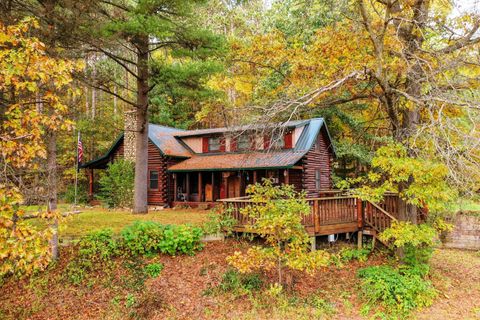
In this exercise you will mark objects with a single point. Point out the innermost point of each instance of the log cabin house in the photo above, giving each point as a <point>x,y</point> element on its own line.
<point>193,167</point>
<point>203,166</point>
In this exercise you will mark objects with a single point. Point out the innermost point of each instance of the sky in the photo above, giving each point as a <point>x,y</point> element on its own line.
<point>462,6</point>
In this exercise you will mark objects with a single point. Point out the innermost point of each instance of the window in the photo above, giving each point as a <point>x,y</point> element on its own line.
<point>214,144</point>
<point>317,146</point>
<point>153,178</point>
<point>243,142</point>
<point>278,142</point>
<point>317,179</point>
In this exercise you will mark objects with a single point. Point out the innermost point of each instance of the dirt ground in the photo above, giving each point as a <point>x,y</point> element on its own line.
<point>183,291</point>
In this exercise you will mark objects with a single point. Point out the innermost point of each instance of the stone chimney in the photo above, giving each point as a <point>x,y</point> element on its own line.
<point>130,133</point>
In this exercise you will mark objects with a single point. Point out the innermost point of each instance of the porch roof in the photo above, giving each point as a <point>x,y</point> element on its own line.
<point>239,161</point>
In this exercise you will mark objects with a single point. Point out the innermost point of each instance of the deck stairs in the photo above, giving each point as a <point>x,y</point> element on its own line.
<point>376,220</point>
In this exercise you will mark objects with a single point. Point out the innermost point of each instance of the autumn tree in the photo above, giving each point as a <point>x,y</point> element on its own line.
<point>410,66</point>
<point>276,213</point>
<point>31,89</point>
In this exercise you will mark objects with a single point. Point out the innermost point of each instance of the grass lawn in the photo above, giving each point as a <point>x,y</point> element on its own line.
<point>468,205</point>
<point>77,225</point>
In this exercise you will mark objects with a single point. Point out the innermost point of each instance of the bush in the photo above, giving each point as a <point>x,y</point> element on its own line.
<point>416,241</point>
<point>349,254</point>
<point>98,246</point>
<point>398,292</point>
<point>233,281</point>
<point>182,239</point>
<point>116,186</point>
<point>146,237</point>
<point>142,237</point>
<point>153,270</point>
<point>219,220</point>
<point>278,212</point>
<point>96,249</point>
<point>82,194</point>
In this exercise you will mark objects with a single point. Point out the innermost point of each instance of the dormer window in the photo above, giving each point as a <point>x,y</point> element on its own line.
<point>243,142</point>
<point>214,144</point>
<point>278,142</point>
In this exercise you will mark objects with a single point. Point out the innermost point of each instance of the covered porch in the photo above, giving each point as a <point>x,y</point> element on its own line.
<point>195,187</point>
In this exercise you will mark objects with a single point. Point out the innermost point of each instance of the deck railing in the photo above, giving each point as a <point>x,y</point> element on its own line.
<point>376,217</point>
<point>323,211</point>
<point>327,211</point>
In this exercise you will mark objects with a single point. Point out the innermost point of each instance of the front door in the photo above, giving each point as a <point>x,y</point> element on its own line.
<point>233,188</point>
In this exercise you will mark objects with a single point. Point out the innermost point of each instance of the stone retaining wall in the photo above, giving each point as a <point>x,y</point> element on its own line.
<point>466,233</point>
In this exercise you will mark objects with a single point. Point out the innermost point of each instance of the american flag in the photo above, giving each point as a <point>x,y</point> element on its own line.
<point>79,150</point>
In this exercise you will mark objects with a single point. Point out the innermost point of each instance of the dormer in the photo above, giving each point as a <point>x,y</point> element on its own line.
<point>244,138</point>
<point>213,143</point>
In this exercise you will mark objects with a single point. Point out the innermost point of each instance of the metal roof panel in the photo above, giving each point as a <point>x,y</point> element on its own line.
<point>239,161</point>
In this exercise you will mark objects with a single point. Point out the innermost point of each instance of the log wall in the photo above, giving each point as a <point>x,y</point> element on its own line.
<point>119,152</point>
<point>157,162</point>
<point>318,159</point>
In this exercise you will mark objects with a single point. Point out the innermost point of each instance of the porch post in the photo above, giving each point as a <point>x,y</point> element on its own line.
<point>188,186</point>
<point>213,186</point>
<point>90,184</point>
<point>254,176</point>
<point>242,193</point>
<point>287,176</point>
<point>359,213</point>
<point>223,188</point>
<point>200,189</point>
<point>174,187</point>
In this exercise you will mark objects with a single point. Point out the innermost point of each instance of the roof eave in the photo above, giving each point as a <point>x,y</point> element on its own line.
<point>230,169</point>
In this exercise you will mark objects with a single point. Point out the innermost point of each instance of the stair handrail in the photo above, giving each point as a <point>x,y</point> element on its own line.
<point>383,211</point>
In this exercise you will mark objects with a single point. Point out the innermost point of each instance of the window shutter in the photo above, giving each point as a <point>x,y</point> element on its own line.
<point>222,145</point>
<point>205,144</point>
<point>233,144</point>
<point>288,140</point>
<point>266,142</point>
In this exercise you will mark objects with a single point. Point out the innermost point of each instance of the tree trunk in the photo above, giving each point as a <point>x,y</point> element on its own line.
<point>52,188</point>
<point>413,39</point>
<point>94,91</point>
<point>141,145</point>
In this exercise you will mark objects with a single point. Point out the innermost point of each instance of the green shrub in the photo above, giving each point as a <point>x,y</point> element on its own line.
<point>349,254</point>
<point>416,242</point>
<point>142,237</point>
<point>96,249</point>
<point>153,270</point>
<point>82,194</point>
<point>147,237</point>
<point>76,271</point>
<point>116,186</point>
<point>219,220</point>
<point>181,239</point>
<point>322,306</point>
<point>98,246</point>
<point>233,281</point>
<point>398,292</point>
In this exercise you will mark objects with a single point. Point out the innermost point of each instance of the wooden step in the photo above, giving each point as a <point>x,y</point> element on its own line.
<point>369,232</point>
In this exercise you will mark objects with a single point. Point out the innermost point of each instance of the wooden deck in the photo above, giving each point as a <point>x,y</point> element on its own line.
<point>331,214</point>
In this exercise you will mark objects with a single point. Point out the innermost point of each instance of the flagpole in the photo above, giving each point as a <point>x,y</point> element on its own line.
<point>76,170</point>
